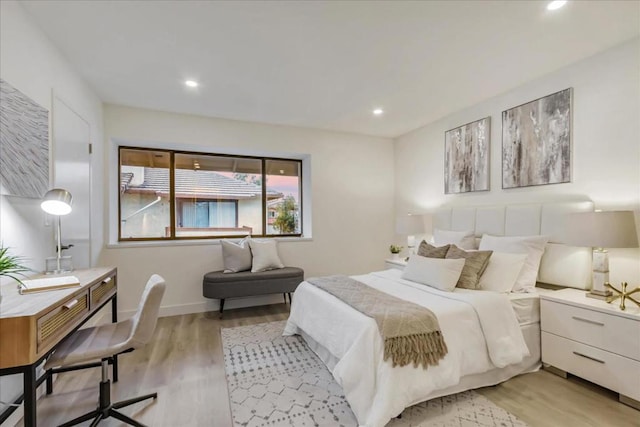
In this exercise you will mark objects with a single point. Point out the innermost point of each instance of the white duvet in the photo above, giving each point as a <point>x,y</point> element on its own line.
<point>480,329</point>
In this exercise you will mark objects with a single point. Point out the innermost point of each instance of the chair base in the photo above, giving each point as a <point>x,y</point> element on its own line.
<point>110,410</point>
<point>107,409</point>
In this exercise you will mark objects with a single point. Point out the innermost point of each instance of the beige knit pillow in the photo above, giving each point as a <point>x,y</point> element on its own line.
<point>474,265</point>
<point>431,251</point>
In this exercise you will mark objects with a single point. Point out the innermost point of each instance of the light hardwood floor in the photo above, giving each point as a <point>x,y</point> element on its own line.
<point>184,364</point>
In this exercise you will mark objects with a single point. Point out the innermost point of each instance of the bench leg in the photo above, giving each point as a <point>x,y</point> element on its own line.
<point>221,307</point>
<point>285,297</point>
<point>290,301</point>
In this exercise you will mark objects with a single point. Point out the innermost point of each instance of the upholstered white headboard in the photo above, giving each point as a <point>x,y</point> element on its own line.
<point>561,264</point>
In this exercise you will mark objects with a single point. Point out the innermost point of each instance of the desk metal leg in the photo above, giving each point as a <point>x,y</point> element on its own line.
<point>114,319</point>
<point>29,384</point>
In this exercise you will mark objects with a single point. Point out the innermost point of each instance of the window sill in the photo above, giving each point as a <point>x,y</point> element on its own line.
<point>195,242</point>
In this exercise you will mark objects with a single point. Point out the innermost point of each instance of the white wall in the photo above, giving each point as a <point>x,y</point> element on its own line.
<point>30,63</point>
<point>606,146</point>
<point>352,192</point>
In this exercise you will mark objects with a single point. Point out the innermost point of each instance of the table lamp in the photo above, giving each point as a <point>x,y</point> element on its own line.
<point>57,202</point>
<point>602,230</point>
<point>410,225</point>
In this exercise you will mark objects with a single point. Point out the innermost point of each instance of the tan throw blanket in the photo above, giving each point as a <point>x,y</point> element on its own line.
<point>411,333</point>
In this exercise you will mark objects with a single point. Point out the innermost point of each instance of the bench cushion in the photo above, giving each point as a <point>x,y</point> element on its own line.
<point>231,285</point>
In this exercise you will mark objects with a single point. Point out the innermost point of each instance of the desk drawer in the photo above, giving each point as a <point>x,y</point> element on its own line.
<point>61,319</point>
<point>102,291</point>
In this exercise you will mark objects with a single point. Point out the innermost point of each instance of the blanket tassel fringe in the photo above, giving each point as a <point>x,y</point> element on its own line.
<point>420,349</point>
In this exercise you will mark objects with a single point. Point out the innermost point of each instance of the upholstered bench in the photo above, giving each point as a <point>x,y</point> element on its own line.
<point>221,285</point>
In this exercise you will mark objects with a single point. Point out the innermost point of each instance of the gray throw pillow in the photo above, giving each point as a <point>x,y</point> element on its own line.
<point>474,265</point>
<point>236,256</point>
<point>431,251</point>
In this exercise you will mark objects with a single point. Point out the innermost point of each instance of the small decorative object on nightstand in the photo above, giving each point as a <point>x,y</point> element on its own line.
<point>623,294</point>
<point>395,251</point>
<point>601,230</point>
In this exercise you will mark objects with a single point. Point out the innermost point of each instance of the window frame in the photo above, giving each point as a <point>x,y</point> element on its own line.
<point>173,202</point>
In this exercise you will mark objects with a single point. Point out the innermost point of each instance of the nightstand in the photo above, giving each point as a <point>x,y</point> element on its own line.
<point>593,340</point>
<point>398,264</point>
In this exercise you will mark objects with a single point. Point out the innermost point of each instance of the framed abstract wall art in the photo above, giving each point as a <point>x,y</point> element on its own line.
<point>536,142</point>
<point>24,144</point>
<point>466,157</point>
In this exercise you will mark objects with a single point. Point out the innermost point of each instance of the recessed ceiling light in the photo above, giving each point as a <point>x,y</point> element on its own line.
<point>191,83</point>
<point>378,112</point>
<point>556,4</point>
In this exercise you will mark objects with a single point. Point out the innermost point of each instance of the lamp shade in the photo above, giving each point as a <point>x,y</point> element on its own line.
<point>409,225</point>
<point>605,229</point>
<point>57,201</point>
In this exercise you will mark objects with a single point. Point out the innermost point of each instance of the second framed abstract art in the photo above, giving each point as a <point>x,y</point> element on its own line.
<point>536,142</point>
<point>466,157</point>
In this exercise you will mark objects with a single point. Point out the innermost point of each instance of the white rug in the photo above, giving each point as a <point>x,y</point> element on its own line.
<point>278,381</point>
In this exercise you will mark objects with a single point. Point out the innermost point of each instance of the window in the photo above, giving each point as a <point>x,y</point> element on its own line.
<point>167,195</point>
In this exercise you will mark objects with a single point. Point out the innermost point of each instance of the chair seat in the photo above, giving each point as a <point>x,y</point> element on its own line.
<point>92,343</point>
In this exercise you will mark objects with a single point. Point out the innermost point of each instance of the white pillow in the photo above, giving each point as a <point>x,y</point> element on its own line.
<point>236,256</point>
<point>265,255</point>
<point>462,239</point>
<point>533,246</point>
<point>438,273</point>
<point>502,272</point>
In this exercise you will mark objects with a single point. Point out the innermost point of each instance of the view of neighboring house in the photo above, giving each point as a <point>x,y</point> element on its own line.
<point>207,203</point>
<point>287,209</point>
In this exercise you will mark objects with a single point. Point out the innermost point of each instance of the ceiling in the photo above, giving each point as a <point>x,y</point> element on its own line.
<point>325,64</point>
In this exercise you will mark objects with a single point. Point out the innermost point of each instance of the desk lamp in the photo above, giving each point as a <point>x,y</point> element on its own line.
<point>57,202</point>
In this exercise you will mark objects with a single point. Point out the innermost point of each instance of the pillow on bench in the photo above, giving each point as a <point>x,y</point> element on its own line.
<point>265,255</point>
<point>249,254</point>
<point>236,256</point>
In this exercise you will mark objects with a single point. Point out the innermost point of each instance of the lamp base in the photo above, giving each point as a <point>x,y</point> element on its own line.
<point>51,264</point>
<point>601,295</point>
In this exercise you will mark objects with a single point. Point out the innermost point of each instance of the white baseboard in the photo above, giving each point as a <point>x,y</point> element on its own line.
<point>210,305</point>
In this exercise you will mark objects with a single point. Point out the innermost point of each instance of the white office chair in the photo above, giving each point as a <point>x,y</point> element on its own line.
<point>105,341</point>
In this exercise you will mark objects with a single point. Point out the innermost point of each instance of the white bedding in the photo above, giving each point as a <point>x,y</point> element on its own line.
<point>480,329</point>
<point>526,307</point>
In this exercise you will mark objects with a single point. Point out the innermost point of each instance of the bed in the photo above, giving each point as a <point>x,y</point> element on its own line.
<point>490,336</point>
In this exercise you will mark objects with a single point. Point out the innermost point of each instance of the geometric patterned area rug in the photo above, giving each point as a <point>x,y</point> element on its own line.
<point>278,381</point>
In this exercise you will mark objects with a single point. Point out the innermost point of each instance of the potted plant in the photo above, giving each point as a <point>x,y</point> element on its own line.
<point>395,250</point>
<point>11,266</point>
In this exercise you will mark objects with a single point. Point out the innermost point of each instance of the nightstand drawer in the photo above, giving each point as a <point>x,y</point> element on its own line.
<point>397,264</point>
<point>608,332</point>
<point>601,367</point>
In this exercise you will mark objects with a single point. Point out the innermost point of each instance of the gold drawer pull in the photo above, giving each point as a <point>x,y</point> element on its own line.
<point>588,357</point>
<point>70,304</point>
<point>593,322</point>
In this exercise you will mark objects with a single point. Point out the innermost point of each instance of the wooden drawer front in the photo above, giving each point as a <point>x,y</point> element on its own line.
<point>605,331</point>
<point>617,373</point>
<point>102,291</point>
<point>62,319</point>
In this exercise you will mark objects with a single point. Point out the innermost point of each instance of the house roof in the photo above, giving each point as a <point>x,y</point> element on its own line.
<point>189,183</point>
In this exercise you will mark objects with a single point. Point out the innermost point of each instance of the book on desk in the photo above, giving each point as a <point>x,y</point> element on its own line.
<point>48,284</point>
